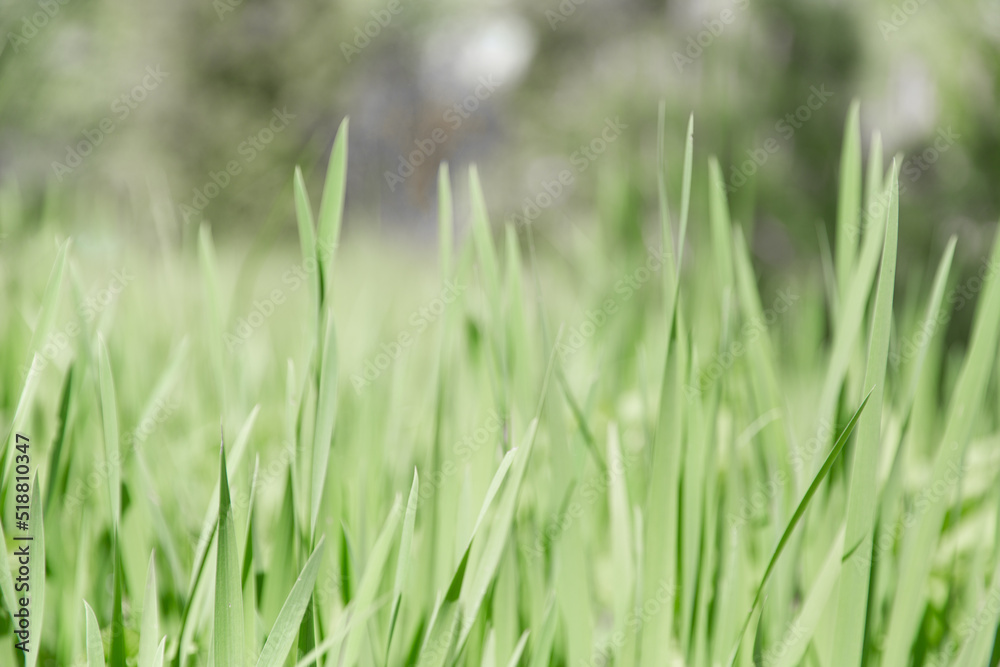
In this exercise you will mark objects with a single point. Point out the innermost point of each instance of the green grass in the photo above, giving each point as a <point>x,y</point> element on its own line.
<point>612,447</point>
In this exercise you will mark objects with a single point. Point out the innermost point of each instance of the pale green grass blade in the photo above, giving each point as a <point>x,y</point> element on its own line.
<point>499,531</point>
<point>863,493</point>
<point>798,636</point>
<point>109,413</point>
<point>210,523</point>
<point>117,613</point>
<point>874,187</point>
<point>150,629</point>
<point>326,417</point>
<point>228,641</point>
<point>965,403</point>
<point>307,238</point>
<point>976,649</point>
<point>440,639</point>
<point>331,207</point>
<point>848,200</point>
<point>50,302</point>
<point>160,652</point>
<point>483,240</point>
<point>446,221</point>
<point>541,649</point>
<point>719,222</point>
<point>500,527</point>
<point>685,193</point>
<point>669,276</point>
<point>793,522</point>
<point>286,626</point>
<point>371,580</point>
<point>515,659</point>
<point>621,530</point>
<point>404,558</point>
<point>248,581</point>
<point>20,414</point>
<point>332,643</point>
<point>930,326</point>
<point>95,646</point>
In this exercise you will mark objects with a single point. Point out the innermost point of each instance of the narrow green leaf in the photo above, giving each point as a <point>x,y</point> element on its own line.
<point>331,208</point>
<point>95,645</point>
<point>326,417</point>
<point>793,522</point>
<point>286,626</point>
<point>150,629</point>
<point>862,499</point>
<point>228,640</point>
<point>370,581</point>
<point>109,412</point>
<point>403,560</point>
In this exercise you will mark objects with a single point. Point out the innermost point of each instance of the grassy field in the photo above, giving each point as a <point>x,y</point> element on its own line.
<point>590,449</point>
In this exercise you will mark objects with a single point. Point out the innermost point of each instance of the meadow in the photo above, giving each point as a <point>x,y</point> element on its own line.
<point>613,447</point>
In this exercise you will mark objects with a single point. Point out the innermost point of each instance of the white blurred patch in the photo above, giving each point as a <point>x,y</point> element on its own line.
<point>460,51</point>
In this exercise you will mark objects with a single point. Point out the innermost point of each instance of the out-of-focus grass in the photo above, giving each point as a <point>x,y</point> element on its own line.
<point>620,449</point>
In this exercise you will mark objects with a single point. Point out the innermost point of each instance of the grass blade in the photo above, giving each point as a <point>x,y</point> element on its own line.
<point>228,641</point>
<point>793,522</point>
<point>282,636</point>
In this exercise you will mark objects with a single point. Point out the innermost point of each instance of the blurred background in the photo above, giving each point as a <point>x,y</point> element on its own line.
<point>190,111</point>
